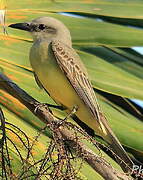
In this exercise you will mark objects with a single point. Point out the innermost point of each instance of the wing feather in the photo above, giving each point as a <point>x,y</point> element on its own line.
<point>72,67</point>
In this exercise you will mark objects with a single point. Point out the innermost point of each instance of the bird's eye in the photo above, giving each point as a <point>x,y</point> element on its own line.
<point>27,24</point>
<point>41,26</point>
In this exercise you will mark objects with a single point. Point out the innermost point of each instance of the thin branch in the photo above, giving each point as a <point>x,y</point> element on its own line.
<point>98,163</point>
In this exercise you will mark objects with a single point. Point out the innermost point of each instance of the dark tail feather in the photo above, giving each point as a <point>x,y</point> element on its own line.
<point>120,154</point>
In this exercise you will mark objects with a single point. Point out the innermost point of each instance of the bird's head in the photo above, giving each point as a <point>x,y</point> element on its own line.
<point>45,28</point>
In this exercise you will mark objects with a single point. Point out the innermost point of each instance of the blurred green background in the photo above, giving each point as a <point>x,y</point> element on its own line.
<point>103,33</point>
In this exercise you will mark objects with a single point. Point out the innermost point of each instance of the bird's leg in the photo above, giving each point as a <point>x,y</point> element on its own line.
<point>73,111</point>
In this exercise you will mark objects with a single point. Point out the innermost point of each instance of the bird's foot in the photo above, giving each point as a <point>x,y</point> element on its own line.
<point>38,106</point>
<point>49,105</point>
<point>73,111</point>
<point>56,106</point>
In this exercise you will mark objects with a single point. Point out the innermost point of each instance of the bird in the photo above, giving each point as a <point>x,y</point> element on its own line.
<point>59,70</point>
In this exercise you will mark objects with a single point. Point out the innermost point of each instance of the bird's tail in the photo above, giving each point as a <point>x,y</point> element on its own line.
<point>115,146</point>
<point>120,154</point>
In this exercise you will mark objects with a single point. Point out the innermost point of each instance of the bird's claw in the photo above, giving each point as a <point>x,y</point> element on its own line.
<point>38,106</point>
<point>49,105</point>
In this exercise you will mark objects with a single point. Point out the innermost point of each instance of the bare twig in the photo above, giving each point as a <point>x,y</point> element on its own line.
<point>98,163</point>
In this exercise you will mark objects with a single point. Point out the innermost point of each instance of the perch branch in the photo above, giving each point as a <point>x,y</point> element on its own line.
<point>98,163</point>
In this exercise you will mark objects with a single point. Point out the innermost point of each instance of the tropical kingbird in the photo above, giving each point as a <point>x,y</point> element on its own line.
<point>59,70</point>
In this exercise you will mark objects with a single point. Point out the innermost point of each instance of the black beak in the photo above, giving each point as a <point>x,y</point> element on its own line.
<point>22,26</point>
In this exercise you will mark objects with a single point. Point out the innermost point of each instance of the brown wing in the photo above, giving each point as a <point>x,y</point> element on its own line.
<point>73,68</point>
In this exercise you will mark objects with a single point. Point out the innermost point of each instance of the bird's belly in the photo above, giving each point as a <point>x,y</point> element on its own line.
<point>59,88</point>
<point>57,85</point>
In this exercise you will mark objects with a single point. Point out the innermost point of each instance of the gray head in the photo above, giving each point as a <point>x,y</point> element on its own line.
<point>46,28</point>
